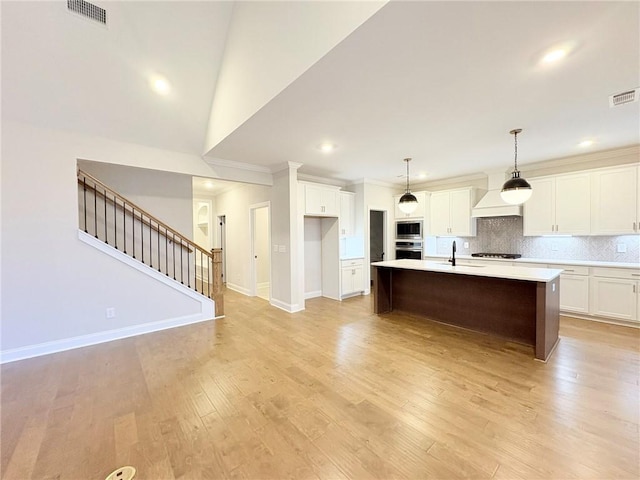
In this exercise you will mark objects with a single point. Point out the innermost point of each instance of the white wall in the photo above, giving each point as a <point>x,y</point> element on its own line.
<point>263,267</point>
<point>235,205</point>
<point>165,195</point>
<point>377,197</point>
<point>269,45</point>
<point>54,285</point>
<point>312,257</point>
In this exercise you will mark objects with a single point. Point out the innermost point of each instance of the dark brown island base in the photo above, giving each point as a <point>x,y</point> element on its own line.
<point>518,303</point>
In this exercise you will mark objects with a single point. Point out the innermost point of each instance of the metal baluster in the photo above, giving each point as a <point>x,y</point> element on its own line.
<point>150,245</point>
<point>106,237</point>
<point>188,274</point>
<point>95,210</point>
<point>133,229</point>
<point>142,234</point>
<point>174,255</point>
<point>181,266</point>
<point>124,225</point>
<point>115,221</point>
<point>158,247</point>
<point>209,275</point>
<point>201,275</point>
<point>84,184</point>
<point>166,252</point>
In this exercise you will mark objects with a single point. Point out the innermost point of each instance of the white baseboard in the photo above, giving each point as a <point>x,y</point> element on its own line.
<point>287,307</point>
<point>239,289</point>
<point>315,294</point>
<point>64,344</point>
<point>262,285</point>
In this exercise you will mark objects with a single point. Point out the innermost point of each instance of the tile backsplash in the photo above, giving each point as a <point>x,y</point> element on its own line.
<point>504,235</point>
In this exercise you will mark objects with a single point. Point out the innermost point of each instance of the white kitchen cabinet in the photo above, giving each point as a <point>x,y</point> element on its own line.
<point>347,214</point>
<point>352,276</point>
<point>559,206</point>
<point>614,293</point>
<point>450,213</point>
<point>574,288</point>
<point>615,201</point>
<point>420,210</point>
<point>321,200</point>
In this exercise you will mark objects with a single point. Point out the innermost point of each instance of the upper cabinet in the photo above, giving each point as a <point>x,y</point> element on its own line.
<point>615,203</point>
<point>420,210</point>
<point>559,205</point>
<point>321,200</point>
<point>347,214</point>
<point>450,213</point>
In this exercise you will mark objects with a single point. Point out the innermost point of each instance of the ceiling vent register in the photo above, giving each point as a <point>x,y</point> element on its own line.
<point>88,10</point>
<point>624,97</point>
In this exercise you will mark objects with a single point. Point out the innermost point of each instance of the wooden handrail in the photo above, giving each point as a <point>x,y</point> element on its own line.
<point>133,206</point>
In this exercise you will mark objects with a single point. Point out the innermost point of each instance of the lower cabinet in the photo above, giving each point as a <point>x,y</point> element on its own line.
<point>574,288</point>
<point>352,275</point>
<point>613,295</point>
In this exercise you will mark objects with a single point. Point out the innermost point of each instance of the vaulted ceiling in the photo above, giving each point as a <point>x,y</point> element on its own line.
<point>442,82</point>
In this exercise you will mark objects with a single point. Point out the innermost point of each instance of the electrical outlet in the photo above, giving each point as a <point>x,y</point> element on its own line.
<point>554,247</point>
<point>110,312</point>
<point>622,248</point>
<point>466,244</point>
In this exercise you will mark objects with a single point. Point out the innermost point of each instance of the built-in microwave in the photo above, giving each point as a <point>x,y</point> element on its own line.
<point>409,229</point>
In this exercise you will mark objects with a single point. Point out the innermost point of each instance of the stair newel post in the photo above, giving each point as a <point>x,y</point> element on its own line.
<point>216,260</point>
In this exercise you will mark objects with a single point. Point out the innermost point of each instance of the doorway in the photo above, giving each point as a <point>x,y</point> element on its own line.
<point>261,250</point>
<point>376,238</point>
<point>222,225</point>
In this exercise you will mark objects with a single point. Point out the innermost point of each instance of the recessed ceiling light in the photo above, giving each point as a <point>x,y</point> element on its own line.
<point>327,147</point>
<point>585,143</point>
<point>422,175</point>
<point>557,53</point>
<point>160,85</point>
<point>554,55</point>
<point>208,184</point>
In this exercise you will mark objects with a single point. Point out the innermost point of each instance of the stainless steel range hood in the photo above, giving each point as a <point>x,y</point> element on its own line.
<point>492,205</point>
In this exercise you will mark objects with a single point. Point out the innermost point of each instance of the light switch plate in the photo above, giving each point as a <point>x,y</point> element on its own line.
<point>622,248</point>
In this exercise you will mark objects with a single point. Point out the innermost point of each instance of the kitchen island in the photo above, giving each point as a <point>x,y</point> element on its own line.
<point>518,303</point>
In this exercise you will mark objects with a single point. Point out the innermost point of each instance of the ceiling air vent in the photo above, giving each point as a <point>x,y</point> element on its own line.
<point>88,10</point>
<point>629,96</point>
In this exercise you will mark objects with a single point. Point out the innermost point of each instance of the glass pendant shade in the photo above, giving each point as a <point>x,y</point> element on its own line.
<point>516,190</point>
<point>408,203</point>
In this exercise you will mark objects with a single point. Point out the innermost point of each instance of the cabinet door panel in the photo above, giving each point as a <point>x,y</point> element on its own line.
<point>312,200</point>
<point>573,204</point>
<point>614,298</point>
<point>460,213</point>
<point>330,202</point>
<point>574,293</point>
<point>440,213</point>
<point>539,209</point>
<point>347,281</point>
<point>358,279</point>
<point>615,201</point>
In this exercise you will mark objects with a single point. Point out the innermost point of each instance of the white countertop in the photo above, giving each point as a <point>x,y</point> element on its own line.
<point>498,271</point>
<point>554,261</point>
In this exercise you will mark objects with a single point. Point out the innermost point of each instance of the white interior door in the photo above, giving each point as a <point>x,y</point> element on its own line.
<point>260,234</point>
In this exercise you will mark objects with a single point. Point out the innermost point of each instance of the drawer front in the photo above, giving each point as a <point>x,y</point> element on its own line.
<point>625,273</point>
<point>351,263</point>
<point>572,269</point>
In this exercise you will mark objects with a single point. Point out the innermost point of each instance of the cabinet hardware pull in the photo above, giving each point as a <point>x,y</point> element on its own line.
<point>634,226</point>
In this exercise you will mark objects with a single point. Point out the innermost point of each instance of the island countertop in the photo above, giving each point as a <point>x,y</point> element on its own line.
<point>497,271</point>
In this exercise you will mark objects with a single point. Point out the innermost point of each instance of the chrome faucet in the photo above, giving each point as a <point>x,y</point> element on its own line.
<point>452,260</point>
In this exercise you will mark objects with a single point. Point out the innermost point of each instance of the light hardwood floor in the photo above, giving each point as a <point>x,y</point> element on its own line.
<point>333,392</point>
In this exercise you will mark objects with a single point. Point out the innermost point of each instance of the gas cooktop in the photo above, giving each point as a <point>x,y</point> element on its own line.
<point>496,255</point>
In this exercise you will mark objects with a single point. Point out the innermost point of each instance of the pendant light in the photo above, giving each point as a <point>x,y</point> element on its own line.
<point>516,190</point>
<point>408,202</point>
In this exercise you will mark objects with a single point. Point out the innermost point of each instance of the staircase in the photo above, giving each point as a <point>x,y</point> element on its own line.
<point>120,223</point>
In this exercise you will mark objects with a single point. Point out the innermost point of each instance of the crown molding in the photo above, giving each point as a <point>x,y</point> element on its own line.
<point>305,177</point>
<point>379,183</point>
<point>628,153</point>
<point>450,181</point>
<point>219,162</point>
<point>285,166</point>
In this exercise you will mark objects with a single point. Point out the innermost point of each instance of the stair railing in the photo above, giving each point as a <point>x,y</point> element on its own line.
<point>118,222</point>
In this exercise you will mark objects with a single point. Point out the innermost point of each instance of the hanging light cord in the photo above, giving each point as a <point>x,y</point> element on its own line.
<point>515,140</point>
<point>406,160</point>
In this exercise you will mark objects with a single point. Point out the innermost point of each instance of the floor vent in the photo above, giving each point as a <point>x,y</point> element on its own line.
<point>624,97</point>
<point>88,10</point>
